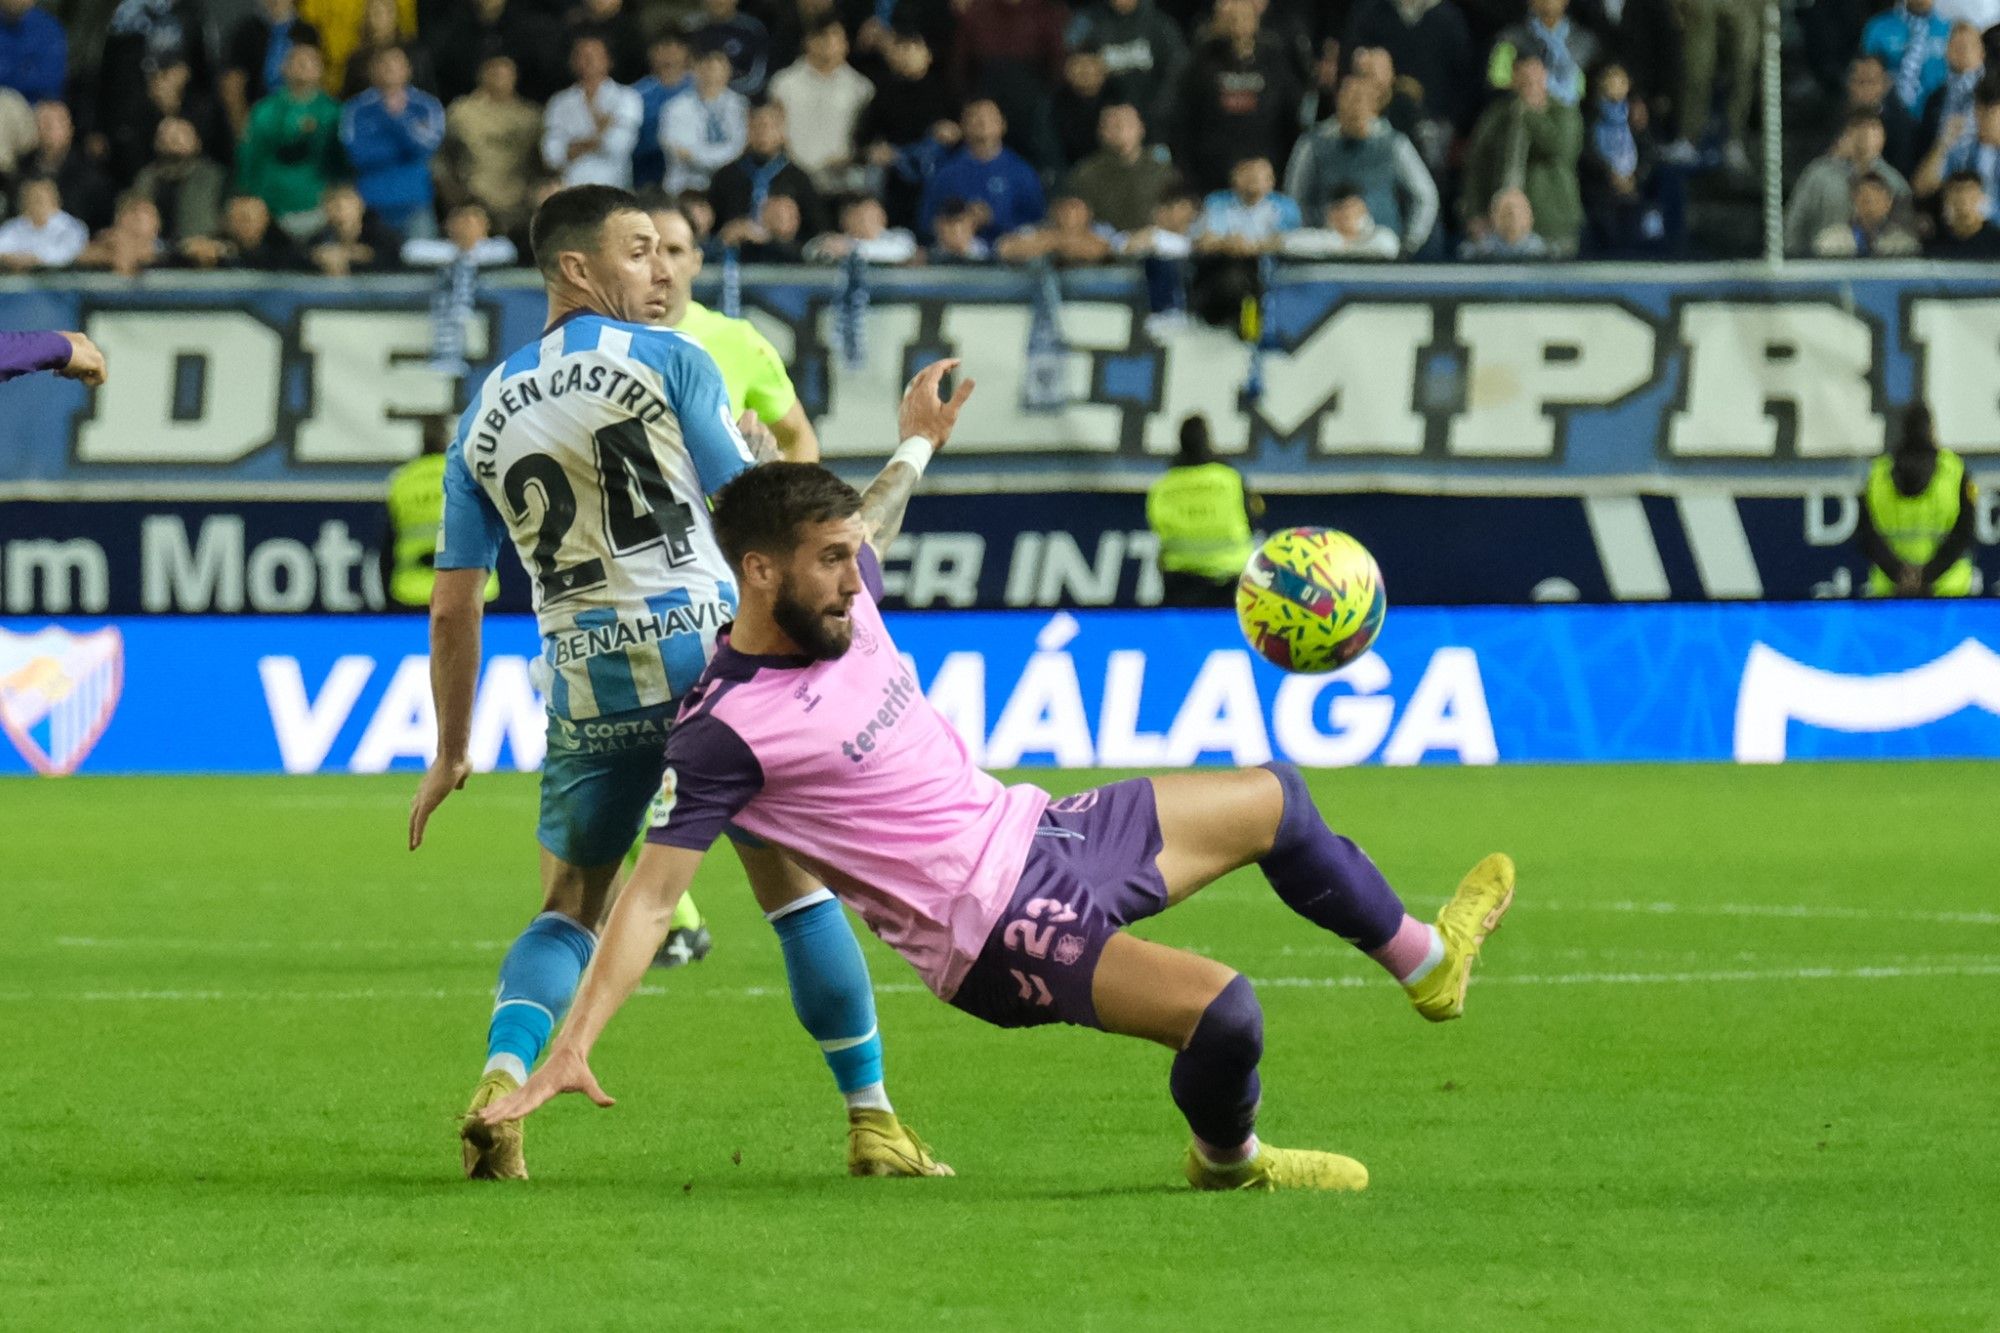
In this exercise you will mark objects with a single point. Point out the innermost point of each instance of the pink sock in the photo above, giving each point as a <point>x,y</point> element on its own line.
<point>1412,951</point>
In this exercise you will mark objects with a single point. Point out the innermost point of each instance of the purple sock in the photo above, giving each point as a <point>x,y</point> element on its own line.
<point>1214,1080</point>
<point>1324,877</point>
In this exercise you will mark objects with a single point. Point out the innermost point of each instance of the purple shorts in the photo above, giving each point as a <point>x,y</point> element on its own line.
<point>1092,870</point>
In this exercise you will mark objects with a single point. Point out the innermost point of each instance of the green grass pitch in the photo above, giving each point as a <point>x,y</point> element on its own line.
<point>1733,1063</point>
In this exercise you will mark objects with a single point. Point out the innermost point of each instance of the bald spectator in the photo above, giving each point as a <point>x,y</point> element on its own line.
<point>823,98</point>
<point>706,129</point>
<point>1507,232</point>
<point>765,169</point>
<point>184,185</point>
<point>590,127</point>
<point>1143,50</point>
<point>87,192</point>
<point>34,51</point>
<point>492,147</point>
<point>391,133</point>
<point>1121,182</point>
<point>988,175</point>
<point>41,235</point>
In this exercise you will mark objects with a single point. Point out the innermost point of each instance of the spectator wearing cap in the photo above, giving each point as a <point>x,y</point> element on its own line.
<point>864,231</point>
<point>909,126</point>
<point>492,147</point>
<point>1822,197</point>
<point>391,133</point>
<point>1965,230</point>
<point>1528,141</point>
<point>1870,231</point>
<point>613,23</point>
<point>1507,232</point>
<point>86,191</point>
<point>1011,51</point>
<point>671,73</point>
<point>739,36</point>
<point>1358,150</point>
<point>186,186</point>
<point>1121,181</point>
<point>1345,232</point>
<point>1911,39</point>
<point>589,127</point>
<point>1240,97</point>
<point>823,98</point>
<point>291,152</point>
<point>766,168</point>
<point>354,239</point>
<point>1080,100</point>
<point>254,57</point>
<point>1143,49</point>
<point>41,235</point>
<point>988,175</point>
<point>1068,235</point>
<point>1566,49</point>
<point>34,51</point>
<point>706,129</point>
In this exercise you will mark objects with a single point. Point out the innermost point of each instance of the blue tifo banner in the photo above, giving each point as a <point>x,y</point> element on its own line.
<point>1666,379</point>
<point>1751,683</point>
<point>1018,550</point>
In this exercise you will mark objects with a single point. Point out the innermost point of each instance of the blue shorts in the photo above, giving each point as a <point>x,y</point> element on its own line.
<point>597,781</point>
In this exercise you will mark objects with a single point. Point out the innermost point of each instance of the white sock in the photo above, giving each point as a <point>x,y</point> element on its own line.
<point>1431,959</point>
<point>511,1063</point>
<point>1249,1156</point>
<point>874,1097</point>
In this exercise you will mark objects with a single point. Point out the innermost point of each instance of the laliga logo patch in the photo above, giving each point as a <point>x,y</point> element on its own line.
<point>1777,691</point>
<point>57,693</point>
<point>663,802</point>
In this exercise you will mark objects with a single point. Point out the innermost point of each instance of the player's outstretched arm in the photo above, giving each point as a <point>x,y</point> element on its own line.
<point>924,421</point>
<point>458,600</point>
<point>638,926</point>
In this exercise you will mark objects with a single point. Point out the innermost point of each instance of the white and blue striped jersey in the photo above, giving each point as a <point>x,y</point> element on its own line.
<point>596,449</point>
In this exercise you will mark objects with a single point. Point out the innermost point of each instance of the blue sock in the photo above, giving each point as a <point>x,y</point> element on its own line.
<point>538,978</point>
<point>832,994</point>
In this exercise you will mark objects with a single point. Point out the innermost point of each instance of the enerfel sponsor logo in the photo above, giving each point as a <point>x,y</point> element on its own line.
<point>58,691</point>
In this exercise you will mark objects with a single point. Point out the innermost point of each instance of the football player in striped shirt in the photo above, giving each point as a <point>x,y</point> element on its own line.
<point>594,449</point>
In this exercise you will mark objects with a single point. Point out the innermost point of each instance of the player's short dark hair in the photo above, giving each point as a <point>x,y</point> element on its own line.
<point>573,219</point>
<point>763,509</point>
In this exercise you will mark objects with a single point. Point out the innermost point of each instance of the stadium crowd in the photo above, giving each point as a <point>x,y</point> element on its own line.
<point>353,136</point>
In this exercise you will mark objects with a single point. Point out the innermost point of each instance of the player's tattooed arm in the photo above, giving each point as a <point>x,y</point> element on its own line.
<point>925,423</point>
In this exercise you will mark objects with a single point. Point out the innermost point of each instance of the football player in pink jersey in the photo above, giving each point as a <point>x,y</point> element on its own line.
<point>808,730</point>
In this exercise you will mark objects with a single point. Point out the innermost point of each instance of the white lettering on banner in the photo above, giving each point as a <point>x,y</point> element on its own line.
<point>1201,374</point>
<point>133,418</point>
<point>1120,743</point>
<point>927,568</point>
<point>1447,712</point>
<point>306,728</point>
<point>994,419</point>
<point>1360,716</point>
<point>73,574</point>
<point>1221,714</point>
<point>1358,374</point>
<point>1777,691</point>
<point>1960,346</point>
<point>214,573</point>
<point>506,711</point>
<point>1044,715</point>
<point>1522,361</point>
<point>371,384</point>
<point>1835,526</point>
<point>851,422</point>
<point>1753,368</point>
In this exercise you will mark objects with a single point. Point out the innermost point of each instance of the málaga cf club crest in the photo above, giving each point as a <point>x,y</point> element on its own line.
<point>57,693</point>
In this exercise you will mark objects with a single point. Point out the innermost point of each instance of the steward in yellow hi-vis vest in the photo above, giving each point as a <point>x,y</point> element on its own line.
<point>1917,517</point>
<point>416,511</point>
<point>1201,513</point>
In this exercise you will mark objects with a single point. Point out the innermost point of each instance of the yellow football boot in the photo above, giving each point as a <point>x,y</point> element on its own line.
<point>1473,913</point>
<point>491,1152</point>
<point>878,1144</point>
<point>1279,1169</point>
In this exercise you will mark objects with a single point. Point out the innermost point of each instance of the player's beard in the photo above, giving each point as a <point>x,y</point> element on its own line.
<point>818,635</point>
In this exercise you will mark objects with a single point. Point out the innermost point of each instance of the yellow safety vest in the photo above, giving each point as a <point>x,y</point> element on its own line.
<point>1199,517</point>
<point>1914,526</point>
<point>416,514</point>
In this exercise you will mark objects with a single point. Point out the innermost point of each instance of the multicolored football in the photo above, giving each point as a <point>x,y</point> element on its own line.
<point>1311,600</point>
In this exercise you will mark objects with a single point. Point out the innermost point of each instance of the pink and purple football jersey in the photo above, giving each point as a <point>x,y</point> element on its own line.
<point>846,766</point>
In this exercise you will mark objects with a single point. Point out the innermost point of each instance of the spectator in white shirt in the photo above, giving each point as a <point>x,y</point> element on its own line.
<point>1249,217</point>
<point>43,236</point>
<point>706,129</point>
<point>823,99</point>
<point>865,231</point>
<point>1349,233</point>
<point>468,234</point>
<point>590,127</point>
